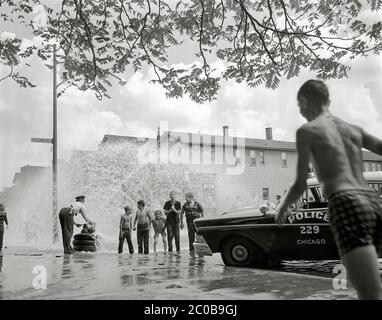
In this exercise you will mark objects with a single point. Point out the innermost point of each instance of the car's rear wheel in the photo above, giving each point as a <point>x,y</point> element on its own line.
<point>238,252</point>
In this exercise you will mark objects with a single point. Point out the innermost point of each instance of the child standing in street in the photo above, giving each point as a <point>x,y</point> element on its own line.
<point>125,227</point>
<point>143,219</point>
<point>159,225</point>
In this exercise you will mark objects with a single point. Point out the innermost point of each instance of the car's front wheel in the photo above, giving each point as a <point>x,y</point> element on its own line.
<point>238,252</point>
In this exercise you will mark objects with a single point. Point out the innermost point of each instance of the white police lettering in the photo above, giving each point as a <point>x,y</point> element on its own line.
<point>310,241</point>
<point>298,216</point>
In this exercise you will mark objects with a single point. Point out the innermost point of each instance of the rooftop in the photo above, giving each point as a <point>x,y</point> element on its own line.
<point>110,138</point>
<point>197,138</point>
<point>218,140</point>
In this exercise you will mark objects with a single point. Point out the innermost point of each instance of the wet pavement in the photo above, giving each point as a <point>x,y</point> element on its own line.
<point>104,275</point>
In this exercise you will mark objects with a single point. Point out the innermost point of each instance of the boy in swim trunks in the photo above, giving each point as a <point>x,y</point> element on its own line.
<point>159,225</point>
<point>355,211</point>
<point>143,218</point>
<point>125,229</point>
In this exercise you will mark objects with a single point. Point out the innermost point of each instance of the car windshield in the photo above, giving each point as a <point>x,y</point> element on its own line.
<point>313,198</point>
<point>377,186</point>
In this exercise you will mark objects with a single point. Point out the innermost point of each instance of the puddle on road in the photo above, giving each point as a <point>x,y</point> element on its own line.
<point>110,275</point>
<point>323,268</point>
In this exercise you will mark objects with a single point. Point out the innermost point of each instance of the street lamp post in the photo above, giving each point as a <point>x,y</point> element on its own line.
<point>54,143</point>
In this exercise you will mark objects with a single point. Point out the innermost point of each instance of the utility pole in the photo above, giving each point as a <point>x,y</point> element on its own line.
<point>54,143</point>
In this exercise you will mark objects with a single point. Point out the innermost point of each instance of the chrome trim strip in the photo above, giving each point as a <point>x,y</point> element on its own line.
<point>202,249</point>
<point>258,225</point>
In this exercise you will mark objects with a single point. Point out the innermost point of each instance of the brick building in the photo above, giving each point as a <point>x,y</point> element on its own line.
<point>238,171</point>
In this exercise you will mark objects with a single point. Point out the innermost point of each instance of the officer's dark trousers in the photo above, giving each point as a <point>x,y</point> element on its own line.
<point>66,222</point>
<point>173,232</point>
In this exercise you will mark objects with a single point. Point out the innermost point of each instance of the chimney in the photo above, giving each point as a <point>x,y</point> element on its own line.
<point>225,131</point>
<point>268,133</point>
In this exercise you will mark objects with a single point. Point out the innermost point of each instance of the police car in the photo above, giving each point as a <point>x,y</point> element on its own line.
<point>248,237</point>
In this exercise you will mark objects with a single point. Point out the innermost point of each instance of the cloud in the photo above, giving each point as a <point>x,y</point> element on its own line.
<point>354,104</point>
<point>5,35</point>
<point>83,123</point>
<point>146,102</point>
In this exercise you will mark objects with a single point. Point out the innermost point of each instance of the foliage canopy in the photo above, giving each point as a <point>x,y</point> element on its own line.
<point>259,41</point>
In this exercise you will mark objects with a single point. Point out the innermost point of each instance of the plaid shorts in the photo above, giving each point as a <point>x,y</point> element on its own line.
<point>356,219</point>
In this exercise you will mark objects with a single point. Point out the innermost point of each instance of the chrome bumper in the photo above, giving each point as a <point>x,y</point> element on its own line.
<point>202,249</point>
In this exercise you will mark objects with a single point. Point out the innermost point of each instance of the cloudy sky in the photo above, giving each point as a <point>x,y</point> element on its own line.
<point>138,107</point>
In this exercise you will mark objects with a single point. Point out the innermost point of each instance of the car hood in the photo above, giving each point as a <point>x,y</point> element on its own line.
<point>234,219</point>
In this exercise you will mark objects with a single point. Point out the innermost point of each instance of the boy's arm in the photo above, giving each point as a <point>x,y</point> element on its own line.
<point>371,142</point>
<point>166,212</point>
<point>135,220</point>
<point>303,141</point>
<point>201,210</point>
<point>120,226</point>
<point>181,216</point>
<point>177,211</point>
<point>6,219</point>
<point>82,211</point>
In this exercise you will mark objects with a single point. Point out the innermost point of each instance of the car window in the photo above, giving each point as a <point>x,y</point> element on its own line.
<point>312,198</point>
<point>377,186</point>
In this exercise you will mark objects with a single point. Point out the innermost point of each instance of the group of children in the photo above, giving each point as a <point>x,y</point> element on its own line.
<point>142,222</point>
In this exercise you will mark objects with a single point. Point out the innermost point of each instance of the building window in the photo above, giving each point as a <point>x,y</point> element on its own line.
<point>379,166</point>
<point>262,160</point>
<point>265,193</point>
<point>369,166</point>
<point>283,160</point>
<point>252,158</point>
<point>364,166</point>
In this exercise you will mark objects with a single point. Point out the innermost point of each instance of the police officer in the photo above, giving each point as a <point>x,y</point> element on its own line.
<point>66,217</point>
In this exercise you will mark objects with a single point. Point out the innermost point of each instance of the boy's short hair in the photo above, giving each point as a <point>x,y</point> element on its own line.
<point>189,195</point>
<point>315,91</point>
<point>127,208</point>
<point>141,203</point>
<point>157,212</point>
<point>2,207</point>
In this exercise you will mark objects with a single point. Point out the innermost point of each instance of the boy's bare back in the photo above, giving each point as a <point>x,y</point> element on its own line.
<point>336,147</point>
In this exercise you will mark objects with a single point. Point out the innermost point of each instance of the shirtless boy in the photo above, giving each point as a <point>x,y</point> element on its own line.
<point>125,228</point>
<point>143,219</point>
<point>355,210</point>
